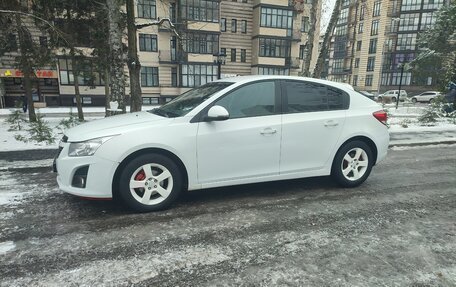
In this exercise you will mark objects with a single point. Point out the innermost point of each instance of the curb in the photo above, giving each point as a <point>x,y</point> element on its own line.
<point>450,142</point>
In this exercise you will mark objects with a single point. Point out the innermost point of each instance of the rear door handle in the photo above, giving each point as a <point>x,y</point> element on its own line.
<point>331,123</point>
<point>268,131</point>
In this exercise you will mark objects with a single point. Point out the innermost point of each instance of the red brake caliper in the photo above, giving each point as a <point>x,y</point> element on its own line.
<point>140,175</point>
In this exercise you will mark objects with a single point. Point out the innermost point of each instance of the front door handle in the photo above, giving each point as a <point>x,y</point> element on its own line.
<point>268,131</point>
<point>331,123</point>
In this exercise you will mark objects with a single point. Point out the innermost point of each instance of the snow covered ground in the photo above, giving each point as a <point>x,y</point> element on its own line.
<point>403,121</point>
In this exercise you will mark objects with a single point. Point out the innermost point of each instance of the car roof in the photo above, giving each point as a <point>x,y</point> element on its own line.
<point>247,79</point>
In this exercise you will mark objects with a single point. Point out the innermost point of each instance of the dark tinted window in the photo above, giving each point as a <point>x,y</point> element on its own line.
<point>257,99</point>
<point>312,97</point>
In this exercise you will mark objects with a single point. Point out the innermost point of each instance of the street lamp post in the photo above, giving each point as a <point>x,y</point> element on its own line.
<point>219,60</point>
<point>400,85</point>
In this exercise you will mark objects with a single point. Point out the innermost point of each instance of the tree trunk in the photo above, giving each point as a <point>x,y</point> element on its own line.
<point>326,40</point>
<point>134,66</point>
<point>107,94</point>
<point>310,39</point>
<point>77,94</point>
<point>26,67</point>
<point>117,81</point>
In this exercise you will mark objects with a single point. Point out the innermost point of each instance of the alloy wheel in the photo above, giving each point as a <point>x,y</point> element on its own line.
<point>354,164</point>
<point>151,184</point>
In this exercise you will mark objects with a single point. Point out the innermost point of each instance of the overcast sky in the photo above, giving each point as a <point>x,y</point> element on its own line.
<point>327,8</point>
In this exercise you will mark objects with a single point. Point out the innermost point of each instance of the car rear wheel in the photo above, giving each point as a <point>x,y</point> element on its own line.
<point>352,164</point>
<point>414,100</point>
<point>393,99</point>
<point>150,182</point>
<point>431,101</point>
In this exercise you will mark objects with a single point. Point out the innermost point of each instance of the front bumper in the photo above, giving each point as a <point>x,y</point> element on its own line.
<point>99,175</point>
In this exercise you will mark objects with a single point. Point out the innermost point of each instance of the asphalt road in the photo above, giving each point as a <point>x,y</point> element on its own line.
<point>398,229</point>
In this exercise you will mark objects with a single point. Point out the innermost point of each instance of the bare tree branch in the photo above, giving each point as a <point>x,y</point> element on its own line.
<point>57,31</point>
<point>160,22</point>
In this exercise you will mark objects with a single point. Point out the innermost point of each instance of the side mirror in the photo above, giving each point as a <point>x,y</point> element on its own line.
<point>217,113</point>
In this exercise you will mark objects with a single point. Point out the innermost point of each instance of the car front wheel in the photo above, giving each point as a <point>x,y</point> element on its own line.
<point>150,182</point>
<point>352,164</point>
<point>414,100</point>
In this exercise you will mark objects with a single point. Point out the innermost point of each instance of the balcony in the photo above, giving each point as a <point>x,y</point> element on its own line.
<point>293,62</point>
<point>172,56</point>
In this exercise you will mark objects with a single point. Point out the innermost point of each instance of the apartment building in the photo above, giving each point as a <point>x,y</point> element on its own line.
<point>257,36</point>
<point>374,38</point>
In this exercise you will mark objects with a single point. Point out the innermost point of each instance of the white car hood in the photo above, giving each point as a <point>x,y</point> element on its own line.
<point>114,125</point>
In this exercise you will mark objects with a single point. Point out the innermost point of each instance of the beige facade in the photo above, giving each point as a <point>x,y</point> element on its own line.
<point>257,36</point>
<point>366,47</point>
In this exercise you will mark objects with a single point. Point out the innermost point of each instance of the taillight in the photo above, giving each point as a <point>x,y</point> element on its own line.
<point>381,116</point>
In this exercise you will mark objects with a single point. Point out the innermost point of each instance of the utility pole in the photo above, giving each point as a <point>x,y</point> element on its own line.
<point>400,85</point>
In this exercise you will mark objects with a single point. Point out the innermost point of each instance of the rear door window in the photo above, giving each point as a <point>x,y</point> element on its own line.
<point>304,97</point>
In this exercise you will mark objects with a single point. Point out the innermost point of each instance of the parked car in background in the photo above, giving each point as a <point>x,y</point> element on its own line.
<point>426,97</point>
<point>232,131</point>
<point>367,95</point>
<point>393,95</point>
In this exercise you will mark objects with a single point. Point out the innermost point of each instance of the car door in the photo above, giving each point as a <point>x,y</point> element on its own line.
<point>246,145</point>
<point>312,121</point>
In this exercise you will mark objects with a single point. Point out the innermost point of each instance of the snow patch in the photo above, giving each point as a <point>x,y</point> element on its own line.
<point>5,165</point>
<point>6,247</point>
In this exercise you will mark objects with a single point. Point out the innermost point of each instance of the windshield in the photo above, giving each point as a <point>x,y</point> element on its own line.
<point>186,102</point>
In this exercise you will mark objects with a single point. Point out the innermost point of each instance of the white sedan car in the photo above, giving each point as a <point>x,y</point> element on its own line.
<point>232,131</point>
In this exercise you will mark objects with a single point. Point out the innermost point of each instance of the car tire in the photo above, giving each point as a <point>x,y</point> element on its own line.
<point>150,182</point>
<point>380,99</point>
<point>352,164</point>
<point>431,101</point>
<point>393,99</point>
<point>414,100</point>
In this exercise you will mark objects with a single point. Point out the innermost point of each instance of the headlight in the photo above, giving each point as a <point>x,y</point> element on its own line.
<point>86,148</point>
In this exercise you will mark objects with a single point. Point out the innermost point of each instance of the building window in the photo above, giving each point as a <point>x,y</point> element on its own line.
<point>88,74</point>
<point>233,55</point>
<point>11,43</point>
<point>370,64</point>
<point>233,25</point>
<point>223,51</point>
<point>223,24</point>
<point>343,16</point>
<point>244,26</point>
<point>276,18</point>
<point>408,5</point>
<point>201,43</point>
<point>374,27</point>
<point>149,76</point>
<point>362,11</point>
<point>427,20</point>
<point>358,45</point>
<point>373,46</point>
<point>355,80</point>
<point>338,65</point>
<point>360,27</point>
<point>148,42</point>
<point>377,8</point>
<point>147,9</point>
<point>200,10</point>
<point>150,101</point>
<point>357,63</point>
<point>369,79</point>
<point>43,42</point>
<point>409,22</point>
<point>433,4</point>
<point>273,71</point>
<point>406,42</point>
<point>243,55</point>
<point>274,47</point>
<point>305,24</point>
<point>340,30</point>
<point>302,52</point>
<point>174,77</point>
<point>197,75</point>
